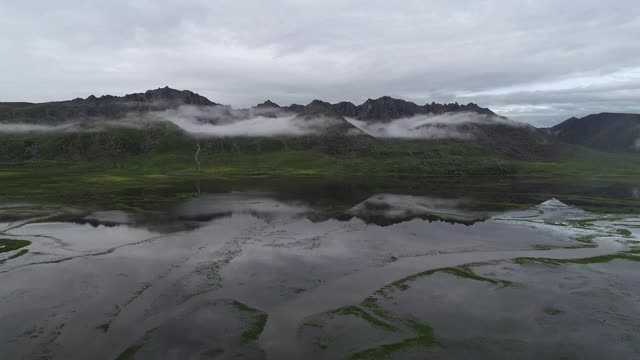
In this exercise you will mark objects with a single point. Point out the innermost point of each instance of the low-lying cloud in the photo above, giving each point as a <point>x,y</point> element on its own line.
<point>23,127</point>
<point>258,126</point>
<point>443,126</point>
<point>223,121</point>
<point>93,125</point>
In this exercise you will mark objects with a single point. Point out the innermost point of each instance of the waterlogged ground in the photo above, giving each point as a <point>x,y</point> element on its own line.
<point>266,275</point>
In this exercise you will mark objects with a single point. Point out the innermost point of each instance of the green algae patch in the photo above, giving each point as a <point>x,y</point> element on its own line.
<point>588,223</point>
<point>550,310</point>
<point>623,232</point>
<point>130,352</point>
<point>586,239</point>
<point>584,261</point>
<point>543,247</point>
<point>259,320</point>
<point>464,272</point>
<point>103,327</point>
<point>424,334</point>
<point>16,255</point>
<point>425,339</point>
<point>357,312</point>
<point>391,259</point>
<point>315,324</point>
<point>7,245</point>
<point>372,304</point>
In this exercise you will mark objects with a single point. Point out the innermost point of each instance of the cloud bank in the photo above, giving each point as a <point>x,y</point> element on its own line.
<point>22,127</point>
<point>444,126</point>
<point>223,121</point>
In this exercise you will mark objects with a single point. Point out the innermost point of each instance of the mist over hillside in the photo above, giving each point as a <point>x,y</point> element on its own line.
<point>380,119</point>
<point>385,117</point>
<point>456,125</point>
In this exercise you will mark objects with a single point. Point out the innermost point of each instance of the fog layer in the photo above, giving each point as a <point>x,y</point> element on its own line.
<point>431,126</point>
<point>223,121</point>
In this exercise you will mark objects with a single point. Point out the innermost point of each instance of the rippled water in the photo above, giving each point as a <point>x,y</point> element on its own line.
<point>337,273</point>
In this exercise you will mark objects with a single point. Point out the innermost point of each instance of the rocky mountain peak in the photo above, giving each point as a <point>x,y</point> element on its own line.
<point>318,108</point>
<point>387,108</point>
<point>167,94</point>
<point>346,108</point>
<point>268,104</point>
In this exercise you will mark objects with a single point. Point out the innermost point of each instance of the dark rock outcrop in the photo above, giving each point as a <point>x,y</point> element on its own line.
<point>322,117</point>
<point>268,105</point>
<point>435,108</point>
<point>107,106</point>
<point>318,108</point>
<point>386,108</point>
<point>165,95</point>
<point>346,108</point>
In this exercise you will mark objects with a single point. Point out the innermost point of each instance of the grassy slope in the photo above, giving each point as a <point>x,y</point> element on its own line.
<point>160,149</point>
<point>91,166</point>
<point>154,151</point>
<point>585,162</point>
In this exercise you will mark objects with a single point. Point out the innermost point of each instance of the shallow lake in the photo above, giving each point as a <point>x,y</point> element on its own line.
<point>316,270</point>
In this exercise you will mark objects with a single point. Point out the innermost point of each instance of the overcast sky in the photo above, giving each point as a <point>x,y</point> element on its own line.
<point>539,61</point>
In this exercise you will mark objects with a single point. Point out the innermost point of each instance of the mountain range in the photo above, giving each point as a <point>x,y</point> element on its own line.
<point>341,128</point>
<point>386,108</point>
<point>382,109</point>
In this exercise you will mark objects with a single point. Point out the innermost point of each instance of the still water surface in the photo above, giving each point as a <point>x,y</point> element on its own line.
<point>327,271</point>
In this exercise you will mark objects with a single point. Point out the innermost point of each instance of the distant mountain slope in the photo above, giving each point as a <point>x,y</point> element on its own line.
<point>482,126</point>
<point>333,134</point>
<point>523,142</point>
<point>99,107</point>
<point>605,131</point>
<point>323,116</point>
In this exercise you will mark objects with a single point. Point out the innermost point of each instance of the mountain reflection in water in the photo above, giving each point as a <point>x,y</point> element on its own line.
<point>240,273</point>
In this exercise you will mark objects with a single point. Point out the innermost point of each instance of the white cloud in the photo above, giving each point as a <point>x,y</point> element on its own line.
<point>445,126</point>
<point>222,121</point>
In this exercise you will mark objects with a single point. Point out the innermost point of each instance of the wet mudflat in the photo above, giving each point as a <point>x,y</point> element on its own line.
<point>267,273</point>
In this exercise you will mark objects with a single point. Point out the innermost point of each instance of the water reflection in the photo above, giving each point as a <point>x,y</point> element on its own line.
<point>207,207</point>
<point>380,209</point>
<point>104,281</point>
<point>387,209</point>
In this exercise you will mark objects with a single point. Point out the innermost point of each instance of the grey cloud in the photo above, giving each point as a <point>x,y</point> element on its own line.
<point>445,126</point>
<point>240,53</point>
<point>222,121</point>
